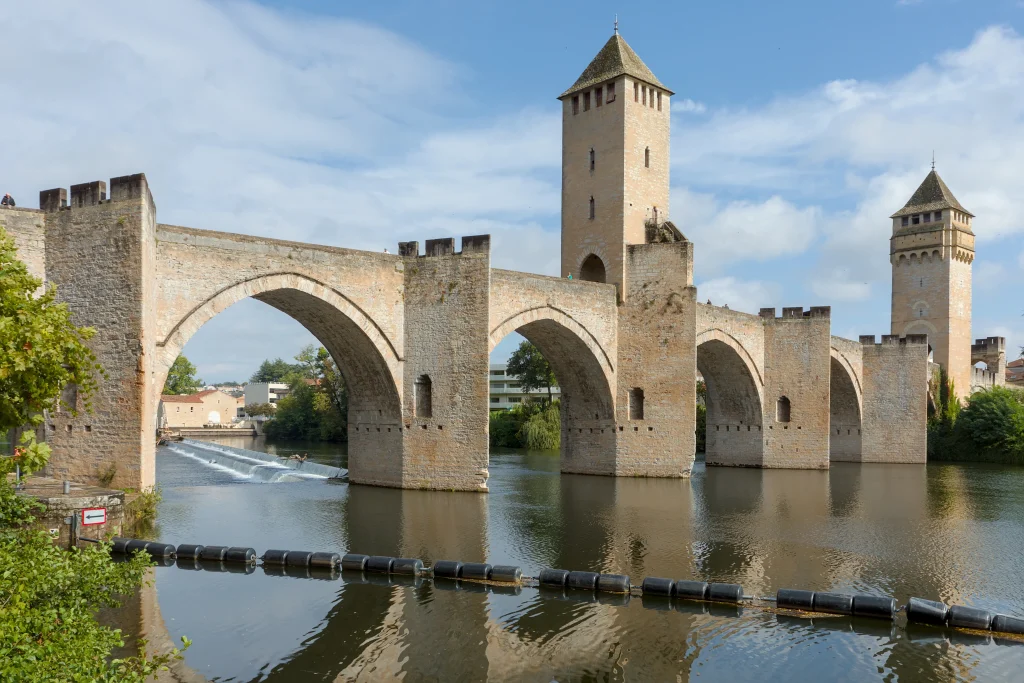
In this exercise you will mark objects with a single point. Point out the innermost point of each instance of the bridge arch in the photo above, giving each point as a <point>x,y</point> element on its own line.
<point>369,362</point>
<point>585,376</point>
<point>734,400</point>
<point>845,409</point>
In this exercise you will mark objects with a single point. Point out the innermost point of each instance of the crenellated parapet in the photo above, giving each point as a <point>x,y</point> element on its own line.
<point>93,193</point>
<point>797,312</point>
<point>445,246</point>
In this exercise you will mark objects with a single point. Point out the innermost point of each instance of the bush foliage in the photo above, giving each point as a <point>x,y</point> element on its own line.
<point>990,428</point>
<point>527,425</point>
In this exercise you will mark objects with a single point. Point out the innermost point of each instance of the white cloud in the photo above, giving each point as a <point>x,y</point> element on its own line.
<point>748,296</point>
<point>688,106</point>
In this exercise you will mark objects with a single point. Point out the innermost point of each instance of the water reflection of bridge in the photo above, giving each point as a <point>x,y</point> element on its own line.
<point>873,528</point>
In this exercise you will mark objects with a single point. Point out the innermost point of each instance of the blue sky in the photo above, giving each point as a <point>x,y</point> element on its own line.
<point>798,128</point>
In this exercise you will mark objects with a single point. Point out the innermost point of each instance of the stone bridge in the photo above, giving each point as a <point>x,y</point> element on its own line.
<point>412,333</point>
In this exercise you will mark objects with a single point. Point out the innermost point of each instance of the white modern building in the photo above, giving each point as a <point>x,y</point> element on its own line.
<point>506,391</point>
<point>265,392</point>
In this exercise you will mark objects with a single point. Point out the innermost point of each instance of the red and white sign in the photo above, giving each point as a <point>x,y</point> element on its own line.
<point>91,516</point>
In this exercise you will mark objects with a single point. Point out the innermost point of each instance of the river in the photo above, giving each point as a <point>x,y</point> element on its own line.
<point>949,532</point>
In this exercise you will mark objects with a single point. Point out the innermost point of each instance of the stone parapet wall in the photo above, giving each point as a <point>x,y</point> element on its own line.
<point>895,399</point>
<point>28,229</point>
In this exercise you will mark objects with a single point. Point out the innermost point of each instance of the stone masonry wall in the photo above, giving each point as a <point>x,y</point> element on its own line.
<point>797,367</point>
<point>446,337</point>
<point>895,399</point>
<point>657,325</point>
<point>97,251</point>
<point>28,229</point>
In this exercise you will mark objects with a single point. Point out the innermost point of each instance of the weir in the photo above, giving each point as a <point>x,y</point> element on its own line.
<point>252,465</point>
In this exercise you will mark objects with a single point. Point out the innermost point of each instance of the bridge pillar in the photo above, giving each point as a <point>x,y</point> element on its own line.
<point>797,372</point>
<point>100,254</point>
<point>895,399</point>
<point>655,398</point>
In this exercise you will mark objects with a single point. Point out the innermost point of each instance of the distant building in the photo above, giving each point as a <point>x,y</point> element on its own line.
<point>210,407</point>
<point>265,392</point>
<point>507,392</point>
<point>1015,372</point>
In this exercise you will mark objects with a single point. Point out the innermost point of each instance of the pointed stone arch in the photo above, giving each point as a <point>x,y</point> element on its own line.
<point>846,405</point>
<point>735,399</point>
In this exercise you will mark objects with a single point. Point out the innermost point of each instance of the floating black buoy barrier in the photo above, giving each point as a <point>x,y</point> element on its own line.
<point>213,552</point>
<point>969,617</point>
<point>379,564</point>
<point>188,550</point>
<point>791,598</point>
<point>298,558</point>
<point>447,569</point>
<point>690,590</point>
<point>553,577</point>
<point>725,592</point>
<point>477,571</point>
<point>133,545</point>
<point>239,554</point>
<point>506,573</point>
<point>1005,624</point>
<point>613,583</point>
<point>874,606</point>
<point>324,560</point>
<point>586,581</point>
<point>354,562</point>
<point>159,550</point>
<point>407,566</point>
<point>120,545</point>
<point>833,603</point>
<point>275,557</point>
<point>653,585</point>
<point>920,611</point>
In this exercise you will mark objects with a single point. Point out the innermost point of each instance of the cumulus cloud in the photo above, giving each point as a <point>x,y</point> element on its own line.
<point>688,106</point>
<point>748,296</point>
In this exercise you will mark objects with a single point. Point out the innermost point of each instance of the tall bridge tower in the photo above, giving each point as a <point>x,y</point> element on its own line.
<point>615,163</point>
<point>931,251</point>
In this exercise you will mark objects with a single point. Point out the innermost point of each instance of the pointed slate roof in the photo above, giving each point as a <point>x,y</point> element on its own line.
<point>615,59</point>
<point>931,195</point>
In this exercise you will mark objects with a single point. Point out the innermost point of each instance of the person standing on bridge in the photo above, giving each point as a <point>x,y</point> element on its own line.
<point>8,200</point>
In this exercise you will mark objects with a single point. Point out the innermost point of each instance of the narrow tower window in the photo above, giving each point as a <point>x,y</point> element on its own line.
<point>659,101</point>
<point>636,92</point>
<point>782,410</point>
<point>598,92</point>
<point>611,93</point>
<point>647,157</point>
<point>636,404</point>
<point>651,102</point>
<point>643,95</point>
<point>905,220</point>
<point>423,400</point>
<point>591,161</point>
<point>586,101</point>
<point>938,215</point>
<point>575,104</point>
<point>591,207</point>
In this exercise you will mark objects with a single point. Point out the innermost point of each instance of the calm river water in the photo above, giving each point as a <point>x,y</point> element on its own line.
<point>946,532</point>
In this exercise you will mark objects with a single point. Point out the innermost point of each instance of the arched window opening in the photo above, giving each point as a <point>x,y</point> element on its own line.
<point>591,158</point>
<point>647,157</point>
<point>423,400</point>
<point>591,208</point>
<point>592,269</point>
<point>782,410</point>
<point>636,404</point>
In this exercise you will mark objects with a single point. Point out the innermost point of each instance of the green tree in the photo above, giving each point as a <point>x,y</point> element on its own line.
<point>181,378</point>
<point>527,365</point>
<point>315,411</point>
<point>276,370</point>
<point>260,409</point>
<point>993,422</point>
<point>41,353</point>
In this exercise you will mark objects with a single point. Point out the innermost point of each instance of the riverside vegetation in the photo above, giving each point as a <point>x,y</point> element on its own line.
<point>49,596</point>
<point>989,428</point>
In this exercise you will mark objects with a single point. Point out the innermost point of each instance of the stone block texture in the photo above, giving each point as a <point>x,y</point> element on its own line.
<point>895,399</point>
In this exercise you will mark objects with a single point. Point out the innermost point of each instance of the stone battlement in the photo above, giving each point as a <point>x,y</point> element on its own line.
<point>989,345</point>
<point>445,246</point>
<point>798,312</point>
<point>895,340</point>
<point>122,188</point>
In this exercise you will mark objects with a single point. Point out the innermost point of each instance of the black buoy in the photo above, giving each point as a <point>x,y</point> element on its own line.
<point>791,598</point>
<point>354,562</point>
<point>477,571</point>
<point>553,577</point>
<point>691,590</point>
<point>298,558</point>
<point>133,545</point>
<point>833,603</point>
<point>584,581</point>
<point>613,583</point>
<point>969,617</point>
<point>213,552</point>
<point>874,606</point>
<point>1005,624</point>
<point>239,554</point>
<point>407,567</point>
<point>653,585</point>
<point>379,564</point>
<point>120,545</point>
<point>725,592</point>
<point>275,557</point>
<point>189,550</point>
<point>506,573</point>
<point>324,560</point>
<point>447,569</point>
<point>920,611</point>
